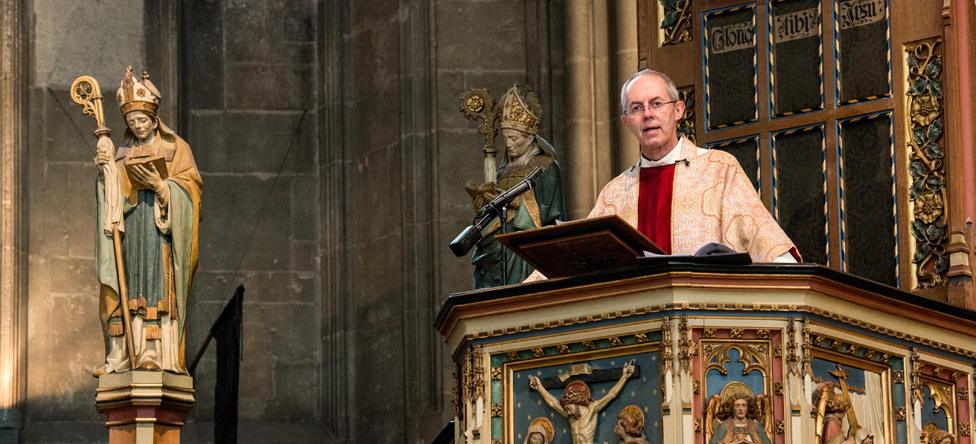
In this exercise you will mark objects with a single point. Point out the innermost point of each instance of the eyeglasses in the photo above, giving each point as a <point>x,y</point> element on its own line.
<point>639,108</point>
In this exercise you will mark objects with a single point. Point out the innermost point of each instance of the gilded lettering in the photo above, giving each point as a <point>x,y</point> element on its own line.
<point>796,25</point>
<point>732,37</point>
<point>854,13</point>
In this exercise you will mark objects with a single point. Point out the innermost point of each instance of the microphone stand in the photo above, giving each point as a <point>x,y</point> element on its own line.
<point>503,217</point>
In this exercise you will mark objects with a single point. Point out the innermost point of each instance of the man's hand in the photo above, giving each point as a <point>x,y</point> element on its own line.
<point>148,176</point>
<point>534,382</point>
<point>629,370</point>
<point>103,155</point>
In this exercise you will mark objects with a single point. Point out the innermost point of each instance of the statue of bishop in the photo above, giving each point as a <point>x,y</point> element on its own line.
<point>154,201</point>
<point>525,151</point>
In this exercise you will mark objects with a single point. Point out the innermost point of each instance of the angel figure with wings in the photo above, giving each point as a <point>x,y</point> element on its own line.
<point>735,416</point>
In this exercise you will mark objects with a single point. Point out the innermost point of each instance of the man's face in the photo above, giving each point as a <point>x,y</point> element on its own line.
<point>516,142</point>
<point>536,438</point>
<point>573,411</point>
<point>621,427</point>
<point>656,130</point>
<point>740,408</point>
<point>142,125</point>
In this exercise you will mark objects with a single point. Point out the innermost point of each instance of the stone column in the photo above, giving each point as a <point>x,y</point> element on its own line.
<point>601,54</point>
<point>589,152</point>
<point>12,304</point>
<point>626,148</point>
<point>144,407</point>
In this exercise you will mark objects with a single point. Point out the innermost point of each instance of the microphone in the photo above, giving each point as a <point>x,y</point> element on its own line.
<point>510,194</point>
<point>471,235</point>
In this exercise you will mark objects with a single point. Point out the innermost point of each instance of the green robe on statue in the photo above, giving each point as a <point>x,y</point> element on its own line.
<point>159,251</point>
<point>546,196</point>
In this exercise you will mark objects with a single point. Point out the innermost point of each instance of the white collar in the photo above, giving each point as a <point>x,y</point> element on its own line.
<point>668,159</point>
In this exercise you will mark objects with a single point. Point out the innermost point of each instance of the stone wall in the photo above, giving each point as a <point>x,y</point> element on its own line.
<point>64,343</point>
<point>333,159</point>
<point>404,154</point>
<point>249,107</point>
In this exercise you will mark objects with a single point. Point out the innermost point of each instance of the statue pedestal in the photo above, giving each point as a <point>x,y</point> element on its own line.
<point>144,407</point>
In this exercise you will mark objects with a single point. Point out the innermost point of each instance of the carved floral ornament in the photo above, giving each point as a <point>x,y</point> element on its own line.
<point>927,162</point>
<point>676,22</point>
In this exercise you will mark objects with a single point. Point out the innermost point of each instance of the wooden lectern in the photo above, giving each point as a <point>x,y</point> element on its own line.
<point>817,356</point>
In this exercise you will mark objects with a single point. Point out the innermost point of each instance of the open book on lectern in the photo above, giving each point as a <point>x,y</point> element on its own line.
<point>580,246</point>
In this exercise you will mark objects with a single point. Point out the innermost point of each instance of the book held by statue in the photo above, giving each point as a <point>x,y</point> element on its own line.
<point>149,162</point>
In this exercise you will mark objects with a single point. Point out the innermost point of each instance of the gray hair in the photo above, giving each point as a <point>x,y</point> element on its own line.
<point>668,84</point>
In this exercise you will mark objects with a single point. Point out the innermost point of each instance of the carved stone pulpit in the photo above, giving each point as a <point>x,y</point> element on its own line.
<point>810,354</point>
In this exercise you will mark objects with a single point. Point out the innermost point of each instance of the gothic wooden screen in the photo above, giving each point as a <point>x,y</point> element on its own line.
<point>811,96</point>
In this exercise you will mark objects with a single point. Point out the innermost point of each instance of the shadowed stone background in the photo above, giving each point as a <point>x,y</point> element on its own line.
<point>333,158</point>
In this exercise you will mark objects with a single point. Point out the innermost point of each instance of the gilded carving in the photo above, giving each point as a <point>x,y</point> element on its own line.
<point>737,415</point>
<point>806,348</point>
<point>753,355</point>
<point>792,362</point>
<point>964,429</point>
<point>916,374</point>
<point>708,333</point>
<point>962,393</point>
<point>666,352</point>
<point>686,125</point>
<point>834,408</point>
<point>496,410</point>
<point>685,349</point>
<point>900,414</point>
<point>478,105</point>
<point>577,405</point>
<point>898,377</point>
<point>473,376</point>
<point>676,22</point>
<point>942,398</point>
<point>850,349</point>
<point>926,166</point>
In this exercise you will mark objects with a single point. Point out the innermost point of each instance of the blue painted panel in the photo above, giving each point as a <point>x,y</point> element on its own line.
<point>643,391</point>
<point>715,381</point>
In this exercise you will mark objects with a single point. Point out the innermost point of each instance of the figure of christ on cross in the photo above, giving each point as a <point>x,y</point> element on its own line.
<point>578,407</point>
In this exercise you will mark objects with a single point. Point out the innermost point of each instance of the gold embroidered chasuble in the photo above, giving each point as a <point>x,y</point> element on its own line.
<point>712,201</point>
